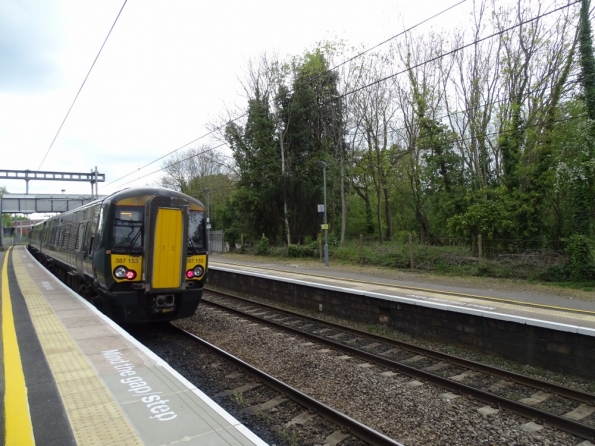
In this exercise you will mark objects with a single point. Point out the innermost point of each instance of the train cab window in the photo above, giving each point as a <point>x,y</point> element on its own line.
<point>128,228</point>
<point>196,232</point>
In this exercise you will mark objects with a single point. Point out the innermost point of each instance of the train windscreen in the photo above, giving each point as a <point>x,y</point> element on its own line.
<point>128,226</point>
<point>196,232</point>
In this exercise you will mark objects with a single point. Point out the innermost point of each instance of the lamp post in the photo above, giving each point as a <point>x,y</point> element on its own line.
<point>323,164</point>
<point>208,191</point>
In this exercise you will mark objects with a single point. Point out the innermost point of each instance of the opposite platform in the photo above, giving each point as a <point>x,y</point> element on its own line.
<point>86,381</point>
<point>555,312</point>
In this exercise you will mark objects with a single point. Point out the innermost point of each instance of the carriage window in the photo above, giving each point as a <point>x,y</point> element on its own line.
<point>79,236</point>
<point>61,236</point>
<point>196,232</point>
<point>128,226</point>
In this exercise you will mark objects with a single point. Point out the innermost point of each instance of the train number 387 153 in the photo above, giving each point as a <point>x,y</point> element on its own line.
<point>127,260</point>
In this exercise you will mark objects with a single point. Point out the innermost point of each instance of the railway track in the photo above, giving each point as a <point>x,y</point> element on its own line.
<point>310,405</point>
<point>253,393</point>
<point>567,409</point>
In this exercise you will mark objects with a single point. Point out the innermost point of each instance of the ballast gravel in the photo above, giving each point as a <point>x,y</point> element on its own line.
<point>408,411</point>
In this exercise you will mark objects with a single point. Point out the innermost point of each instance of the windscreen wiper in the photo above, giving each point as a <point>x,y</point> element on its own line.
<point>130,246</point>
<point>191,248</point>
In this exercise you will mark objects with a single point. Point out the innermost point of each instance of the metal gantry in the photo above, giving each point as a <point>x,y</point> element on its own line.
<point>46,203</point>
<point>93,177</point>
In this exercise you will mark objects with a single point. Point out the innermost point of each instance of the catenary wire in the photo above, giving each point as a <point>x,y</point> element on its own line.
<point>478,107</point>
<point>327,71</point>
<point>451,52</point>
<point>496,133</point>
<point>210,149</point>
<point>82,85</point>
<point>448,53</point>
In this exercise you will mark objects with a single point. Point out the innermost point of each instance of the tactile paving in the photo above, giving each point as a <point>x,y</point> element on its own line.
<point>94,416</point>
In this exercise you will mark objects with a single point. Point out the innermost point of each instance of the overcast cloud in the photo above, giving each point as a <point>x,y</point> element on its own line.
<point>167,70</point>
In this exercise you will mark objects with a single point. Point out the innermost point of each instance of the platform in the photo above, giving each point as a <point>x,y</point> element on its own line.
<point>532,308</point>
<point>72,376</point>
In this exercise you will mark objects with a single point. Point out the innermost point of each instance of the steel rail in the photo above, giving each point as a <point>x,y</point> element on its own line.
<point>354,427</point>
<point>546,386</point>
<point>564,424</point>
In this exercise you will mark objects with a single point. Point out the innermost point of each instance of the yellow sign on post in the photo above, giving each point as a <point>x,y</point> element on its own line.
<point>324,227</point>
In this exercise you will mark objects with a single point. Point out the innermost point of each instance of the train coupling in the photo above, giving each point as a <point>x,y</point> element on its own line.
<point>164,303</point>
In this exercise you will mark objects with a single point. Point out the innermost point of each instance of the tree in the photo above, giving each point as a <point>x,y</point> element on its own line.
<point>583,194</point>
<point>424,137</point>
<point>257,158</point>
<point>6,218</point>
<point>293,121</point>
<point>182,169</point>
<point>203,173</point>
<point>475,77</point>
<point>313,118</point>
<point>579,245</point>
<point>587,59</point>
<point>372,109</point>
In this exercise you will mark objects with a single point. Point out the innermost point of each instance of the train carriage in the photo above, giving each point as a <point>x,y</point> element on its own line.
<point>139,255</point>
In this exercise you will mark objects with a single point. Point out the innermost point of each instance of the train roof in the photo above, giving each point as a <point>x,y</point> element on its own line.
<point>130,193</point>
<point>153,191</point>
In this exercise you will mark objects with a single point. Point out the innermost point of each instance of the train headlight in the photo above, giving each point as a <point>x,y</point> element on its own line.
<point>120,272</point>
<point>197,271</point>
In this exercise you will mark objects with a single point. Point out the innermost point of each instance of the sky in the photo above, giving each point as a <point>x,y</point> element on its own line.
<point>168,69</point>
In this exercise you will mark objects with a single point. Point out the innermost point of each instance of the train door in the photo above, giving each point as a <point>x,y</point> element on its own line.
<point>167,232</point>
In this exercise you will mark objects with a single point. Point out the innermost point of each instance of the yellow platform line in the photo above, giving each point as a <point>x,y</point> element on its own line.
<point>19,429</point>
<point>95,418</point>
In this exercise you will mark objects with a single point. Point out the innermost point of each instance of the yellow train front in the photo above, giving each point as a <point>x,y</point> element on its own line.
<point>139,255</point>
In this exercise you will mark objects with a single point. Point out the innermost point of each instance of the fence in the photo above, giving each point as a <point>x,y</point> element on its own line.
<point>217,242</point>
<point>16,240</point>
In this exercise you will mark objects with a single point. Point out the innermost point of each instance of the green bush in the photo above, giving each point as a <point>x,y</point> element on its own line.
<point>402,237</point>
<point>262,249</point>
<point>308,250</point>
<point>581,264</point>
<point>554,273</point>
<point>574,268</point>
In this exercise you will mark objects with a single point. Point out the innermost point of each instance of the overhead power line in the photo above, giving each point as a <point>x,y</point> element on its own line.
<point>451,52</point>
<point>82,85</point>
<point>378,81</point>
<point>478,107</point>
<point>171,164</point>
<point>417,25</point>
<point>172,152</point>
<point>397,35</point>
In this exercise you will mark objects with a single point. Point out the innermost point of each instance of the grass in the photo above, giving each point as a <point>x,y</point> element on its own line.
<point>588,286</point>
<point>239,399</point>
<point>539,267</point>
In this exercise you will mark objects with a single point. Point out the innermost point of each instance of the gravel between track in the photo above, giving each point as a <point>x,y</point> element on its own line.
<point>413,415</point>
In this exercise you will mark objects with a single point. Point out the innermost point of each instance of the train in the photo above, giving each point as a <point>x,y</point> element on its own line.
<point>139,255</point>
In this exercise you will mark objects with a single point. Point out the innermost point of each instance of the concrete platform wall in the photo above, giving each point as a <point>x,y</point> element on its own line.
<point>556,350</point>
